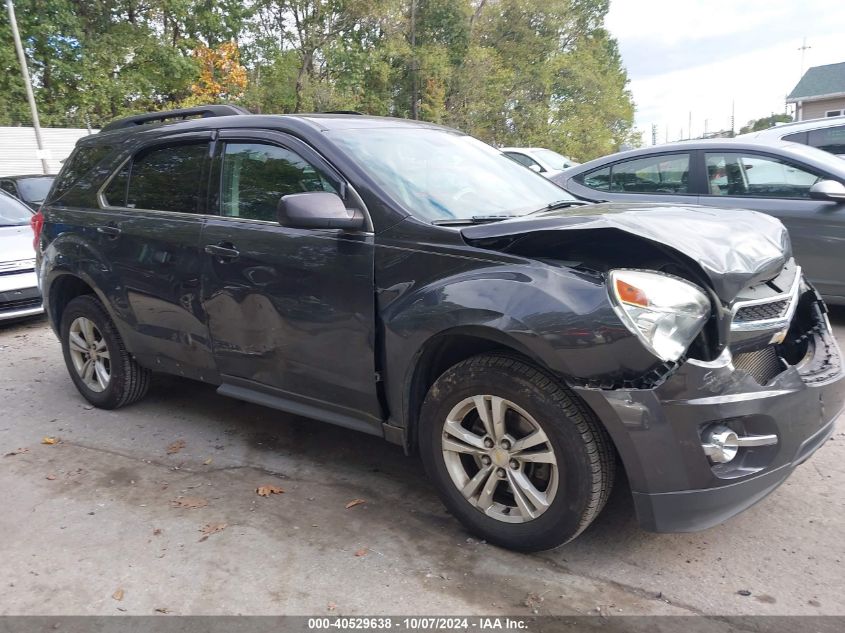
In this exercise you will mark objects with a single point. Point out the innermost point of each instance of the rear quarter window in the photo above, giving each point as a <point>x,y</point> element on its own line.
<point>76,173</point>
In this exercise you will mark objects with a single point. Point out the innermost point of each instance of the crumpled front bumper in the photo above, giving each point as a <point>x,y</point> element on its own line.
<point>658,433</point>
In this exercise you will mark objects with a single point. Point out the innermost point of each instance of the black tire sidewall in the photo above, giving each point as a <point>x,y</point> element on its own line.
<point>563,520</point>
<point>90,308</point>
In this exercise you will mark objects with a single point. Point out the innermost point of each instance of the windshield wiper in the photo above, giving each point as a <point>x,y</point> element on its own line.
<point>560,204</point>
<point>476,219</point>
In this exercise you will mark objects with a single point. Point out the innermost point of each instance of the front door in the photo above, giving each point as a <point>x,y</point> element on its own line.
<point>290,311</point>
<point>747,180</point>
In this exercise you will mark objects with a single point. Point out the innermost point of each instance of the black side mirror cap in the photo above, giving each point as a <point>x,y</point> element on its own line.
<point>318,210</point>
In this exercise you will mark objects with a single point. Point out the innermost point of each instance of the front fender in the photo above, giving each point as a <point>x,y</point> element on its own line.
<point>558,317</point>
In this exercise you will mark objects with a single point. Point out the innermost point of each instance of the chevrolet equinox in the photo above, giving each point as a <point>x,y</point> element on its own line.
<point>408,281</point>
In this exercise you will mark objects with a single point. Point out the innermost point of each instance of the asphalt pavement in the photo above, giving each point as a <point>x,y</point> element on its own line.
<point>154,509</point>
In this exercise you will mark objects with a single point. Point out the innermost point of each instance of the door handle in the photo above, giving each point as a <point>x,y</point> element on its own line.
<point>224,250</point>
<point>111,230</point>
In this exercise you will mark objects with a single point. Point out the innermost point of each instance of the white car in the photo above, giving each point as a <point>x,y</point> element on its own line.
<point>541,160</point>
<point>19,293</point>
<point>827,134</point>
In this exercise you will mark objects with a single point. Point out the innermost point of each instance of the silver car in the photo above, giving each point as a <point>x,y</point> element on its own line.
<point>19,293</point>
<point>543,161</point>
<point>827,134</point>
<point>801,186</point>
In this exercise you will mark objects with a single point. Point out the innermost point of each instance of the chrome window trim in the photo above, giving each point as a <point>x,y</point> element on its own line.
<point>781,322</point>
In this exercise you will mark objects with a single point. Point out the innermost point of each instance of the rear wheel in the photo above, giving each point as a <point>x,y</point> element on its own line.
<point>100,366</point>
<point>513,454</point>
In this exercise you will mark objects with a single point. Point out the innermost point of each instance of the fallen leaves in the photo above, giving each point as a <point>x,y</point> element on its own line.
<point>162,610</point>
<point>18,451</point>
<point>211,528</point>
<point>50,477</point>
<point>331,606</point>
<point>207,462</point>
<point>361,552</point>
<point>118,594</point>
<point>355,502</point>
<point>50,440</point>
<point>175,447</point>
<point>189,502</point>
<point>269,489</point>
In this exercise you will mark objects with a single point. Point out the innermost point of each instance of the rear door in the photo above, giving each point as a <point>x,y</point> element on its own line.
<point>767,183</point>
<point>290,311</point>
<point>150,234</point>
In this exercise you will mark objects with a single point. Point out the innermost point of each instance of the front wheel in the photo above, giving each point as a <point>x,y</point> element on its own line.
<point>514,456</point>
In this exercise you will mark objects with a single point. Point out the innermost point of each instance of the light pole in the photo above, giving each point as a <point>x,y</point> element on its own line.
<point>36,124</point>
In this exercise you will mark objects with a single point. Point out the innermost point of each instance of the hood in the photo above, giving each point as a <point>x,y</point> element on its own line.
<point>15,243</point>
<point>734,247</point>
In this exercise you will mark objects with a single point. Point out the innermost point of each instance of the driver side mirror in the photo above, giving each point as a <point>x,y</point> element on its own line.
<point>828,190</point>
<point>535,167</point>
<point>318,210</point>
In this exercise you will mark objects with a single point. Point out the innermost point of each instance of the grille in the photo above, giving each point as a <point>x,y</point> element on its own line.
<point>18,266</point>
<point>20,304</point>
<point>763,365</point>
<point>761,312</point>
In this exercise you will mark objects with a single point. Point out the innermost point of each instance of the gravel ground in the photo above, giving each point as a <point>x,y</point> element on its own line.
<point>154,507</point>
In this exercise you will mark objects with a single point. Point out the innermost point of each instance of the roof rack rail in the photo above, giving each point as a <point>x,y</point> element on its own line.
<point>182,113</point>
<point>343,112</point>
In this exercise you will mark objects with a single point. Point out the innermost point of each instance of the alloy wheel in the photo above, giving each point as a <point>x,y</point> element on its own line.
<point>90,354</point>
<point>500,459</point>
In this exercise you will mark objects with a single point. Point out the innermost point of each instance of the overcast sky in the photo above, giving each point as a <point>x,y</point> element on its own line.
<point>698,56</point>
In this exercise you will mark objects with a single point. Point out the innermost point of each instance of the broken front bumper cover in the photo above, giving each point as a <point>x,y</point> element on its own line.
<point>660,433</point>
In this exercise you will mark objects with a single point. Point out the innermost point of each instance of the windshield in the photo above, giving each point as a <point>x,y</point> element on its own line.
<point>442,175</point>
<point>553,159</point>
<point>35,189</point>
<point>12,212</point>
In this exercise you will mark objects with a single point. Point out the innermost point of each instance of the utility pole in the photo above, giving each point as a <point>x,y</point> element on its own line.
<point>689,126</point>
<point>36,124</point>
<point>415,114</point>
<point>733,117</point>
<point>653,134</point>
<point>803,48</point>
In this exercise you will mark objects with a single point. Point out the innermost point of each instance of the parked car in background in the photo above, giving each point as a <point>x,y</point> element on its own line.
<point>19,294</point>
<point>543,161</point>
<point>30,189</point>
<point>802,186</point>
<point>406,280</point>
<point>827,134</point>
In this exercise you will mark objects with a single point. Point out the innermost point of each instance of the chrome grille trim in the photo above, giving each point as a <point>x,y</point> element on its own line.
<point>17,266</point>
<point>758,306</point>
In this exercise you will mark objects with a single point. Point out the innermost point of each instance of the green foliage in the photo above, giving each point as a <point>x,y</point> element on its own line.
<point>516,72</point>
<point>755,125</point>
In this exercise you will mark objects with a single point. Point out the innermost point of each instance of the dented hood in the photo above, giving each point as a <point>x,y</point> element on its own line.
<point>734,247</point>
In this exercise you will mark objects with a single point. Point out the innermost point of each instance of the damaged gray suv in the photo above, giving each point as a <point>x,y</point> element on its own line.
<point>408,281</point>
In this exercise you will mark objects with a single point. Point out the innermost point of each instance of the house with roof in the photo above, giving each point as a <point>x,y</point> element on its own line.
<point>820,93</point>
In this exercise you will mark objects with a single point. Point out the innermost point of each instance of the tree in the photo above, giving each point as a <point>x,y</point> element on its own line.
<point>755,125</point>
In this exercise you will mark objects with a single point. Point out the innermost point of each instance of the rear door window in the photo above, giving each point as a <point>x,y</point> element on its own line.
<point>163,178</point>
<point>661,174</point>
<point>667,173</point>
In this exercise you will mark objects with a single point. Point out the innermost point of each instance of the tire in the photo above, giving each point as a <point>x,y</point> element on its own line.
<point>561,505</point>
<point>112,379</point>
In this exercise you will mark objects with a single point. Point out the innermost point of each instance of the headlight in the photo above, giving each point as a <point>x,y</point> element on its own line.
<point>666,313</point>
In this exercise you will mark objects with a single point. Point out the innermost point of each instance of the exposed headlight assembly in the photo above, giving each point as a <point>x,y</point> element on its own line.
<point>665,312</point>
